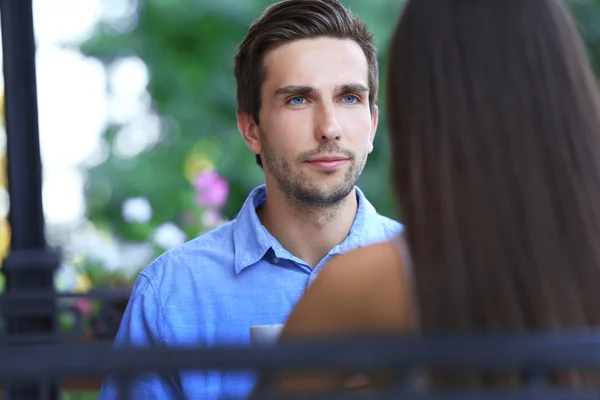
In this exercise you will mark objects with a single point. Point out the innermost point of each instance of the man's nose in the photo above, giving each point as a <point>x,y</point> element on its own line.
<point>327,127</point>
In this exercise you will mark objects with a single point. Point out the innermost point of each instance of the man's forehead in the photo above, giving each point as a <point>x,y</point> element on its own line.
<point>323,63</point>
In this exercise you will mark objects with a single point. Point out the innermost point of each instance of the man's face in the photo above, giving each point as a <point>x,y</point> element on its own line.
<point>316,127</point>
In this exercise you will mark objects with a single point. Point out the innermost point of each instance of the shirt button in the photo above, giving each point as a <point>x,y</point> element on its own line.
<point>275,260</point>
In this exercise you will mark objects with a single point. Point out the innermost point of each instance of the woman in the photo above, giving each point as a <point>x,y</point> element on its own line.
<point>494,121</point>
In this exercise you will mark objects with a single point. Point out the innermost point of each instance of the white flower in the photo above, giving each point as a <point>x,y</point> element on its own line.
<point>107,251</point>
<point>95,246</point>
<point>65,278</point>
<point>134,256</point>
<point>137,210</point>
<point>169,235</point>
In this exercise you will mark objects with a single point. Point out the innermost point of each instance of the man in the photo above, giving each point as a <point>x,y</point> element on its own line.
<point>307,81</point>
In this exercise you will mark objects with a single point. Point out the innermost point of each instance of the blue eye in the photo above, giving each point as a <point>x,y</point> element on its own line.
<point>297,101</point>
<point>350,99</point>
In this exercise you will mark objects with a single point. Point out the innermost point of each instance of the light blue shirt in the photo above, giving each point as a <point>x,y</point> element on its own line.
<point>211,290</point>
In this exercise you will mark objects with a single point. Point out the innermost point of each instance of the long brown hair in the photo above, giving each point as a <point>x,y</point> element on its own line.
<point>495,128</point>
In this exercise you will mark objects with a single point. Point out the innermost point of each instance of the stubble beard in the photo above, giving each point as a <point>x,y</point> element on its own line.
<point>302,190</point>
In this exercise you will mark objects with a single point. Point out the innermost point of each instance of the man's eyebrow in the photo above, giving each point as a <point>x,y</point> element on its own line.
<point>300,90</point>
<point>297,90</point>
<point>352,88</point>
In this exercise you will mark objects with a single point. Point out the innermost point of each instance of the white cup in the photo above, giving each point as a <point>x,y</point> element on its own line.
<point>265,335</point>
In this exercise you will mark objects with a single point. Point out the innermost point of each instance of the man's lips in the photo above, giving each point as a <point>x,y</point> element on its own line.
<point>331,162</point>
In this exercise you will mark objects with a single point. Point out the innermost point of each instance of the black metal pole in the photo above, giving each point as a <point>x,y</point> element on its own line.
<point>30,266</point>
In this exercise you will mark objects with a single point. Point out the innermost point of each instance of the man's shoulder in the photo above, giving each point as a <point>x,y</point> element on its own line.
<point>390,226</point>
<point>209,256</point>
<point>379,227</point>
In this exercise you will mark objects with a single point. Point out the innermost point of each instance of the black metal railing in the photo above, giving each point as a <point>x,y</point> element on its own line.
<point>536,356</point>
<point>35,356</point>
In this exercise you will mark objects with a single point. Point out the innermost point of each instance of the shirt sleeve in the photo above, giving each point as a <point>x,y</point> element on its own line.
<point>141,327</point>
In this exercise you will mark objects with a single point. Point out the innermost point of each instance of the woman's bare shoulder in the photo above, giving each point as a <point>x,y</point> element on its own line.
<point>369,262</point>
<point>365,289</point>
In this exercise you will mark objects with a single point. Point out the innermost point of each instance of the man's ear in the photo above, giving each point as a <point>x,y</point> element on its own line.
<point>374,123</point>
<point>249,131</point>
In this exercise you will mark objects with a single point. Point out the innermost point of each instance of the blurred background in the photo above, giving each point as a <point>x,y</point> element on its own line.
<point>138,134</point>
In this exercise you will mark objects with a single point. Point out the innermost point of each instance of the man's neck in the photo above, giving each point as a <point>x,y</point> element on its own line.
<point>307,232</point>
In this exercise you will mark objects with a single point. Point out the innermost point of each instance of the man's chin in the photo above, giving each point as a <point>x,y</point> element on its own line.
<point>324,196</point>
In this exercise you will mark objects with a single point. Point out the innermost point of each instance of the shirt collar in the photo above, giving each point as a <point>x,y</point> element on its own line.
<point>252,240</point>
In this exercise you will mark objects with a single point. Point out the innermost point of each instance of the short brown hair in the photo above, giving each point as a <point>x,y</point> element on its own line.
<point>291,20</point>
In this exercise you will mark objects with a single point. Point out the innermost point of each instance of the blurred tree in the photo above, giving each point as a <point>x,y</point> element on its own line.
<point>188,47</point>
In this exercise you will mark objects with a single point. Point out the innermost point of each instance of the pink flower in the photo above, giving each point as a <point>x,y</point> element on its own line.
<point>212,190</point>
<point>86,306</point>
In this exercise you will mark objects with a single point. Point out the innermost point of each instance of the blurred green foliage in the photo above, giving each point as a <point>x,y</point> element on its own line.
<point>188,47</point>
<point>79,395</point>
<point>587,15</point>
